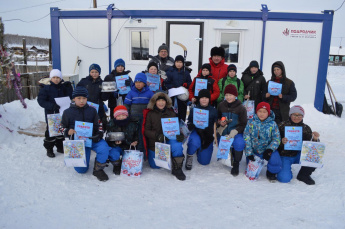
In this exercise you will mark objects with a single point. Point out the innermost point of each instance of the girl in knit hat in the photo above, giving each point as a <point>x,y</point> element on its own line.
<point>262,139</point>
<point>231,78</point>
<point>289,157</point>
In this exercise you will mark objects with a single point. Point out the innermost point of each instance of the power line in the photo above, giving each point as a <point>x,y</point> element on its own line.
<point>27,21</point>
<point>30,7</point>
<point>340,6</point>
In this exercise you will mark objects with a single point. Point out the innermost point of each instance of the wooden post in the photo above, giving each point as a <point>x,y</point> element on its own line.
<point>25,57</point>
<point>94,3</point>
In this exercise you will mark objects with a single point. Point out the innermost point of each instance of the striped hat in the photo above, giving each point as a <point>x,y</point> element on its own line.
<point>80,91</point>
<point>120,110</point>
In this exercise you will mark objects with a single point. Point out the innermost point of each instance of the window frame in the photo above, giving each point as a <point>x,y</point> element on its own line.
<point>130,30</point>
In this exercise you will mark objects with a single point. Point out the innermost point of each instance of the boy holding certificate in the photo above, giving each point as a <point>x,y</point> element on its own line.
<point>201,121</point>
<point>292,156</point>
<point>158,109</point>
<point>262,139</point>
<point>81,111</point>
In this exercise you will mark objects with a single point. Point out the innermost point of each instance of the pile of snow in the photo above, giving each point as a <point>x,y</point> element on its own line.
<point>40,192</point>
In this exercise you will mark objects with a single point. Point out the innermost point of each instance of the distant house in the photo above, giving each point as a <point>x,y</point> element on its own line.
<point>336,56</point>
<point>38,51</point>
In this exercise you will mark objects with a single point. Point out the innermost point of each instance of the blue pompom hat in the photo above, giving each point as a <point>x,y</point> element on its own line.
<point>140,77</point>
<point>119,62</point>
<point>95,67</point>
<point>80,91</point>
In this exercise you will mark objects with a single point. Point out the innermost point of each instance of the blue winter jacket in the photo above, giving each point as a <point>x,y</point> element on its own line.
<point>177,78</point>
<point>213,115</point>
<point>261,135</point>
<point>49,92</point>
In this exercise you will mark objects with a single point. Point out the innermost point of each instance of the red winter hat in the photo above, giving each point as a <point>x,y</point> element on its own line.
<point>265,106</point>
<point>120,110</point>
<point>231,89</point>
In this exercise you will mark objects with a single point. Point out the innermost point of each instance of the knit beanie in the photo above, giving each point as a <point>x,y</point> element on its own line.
<point>254,63</point>
<point>163,47</point>
<point>80,91</point>
<point>217,51</point>
<point>296,109</point>
<point>119,62</point>
<point>265,106</point>
<point>231,89</point>
<point>152,64</point>
<point>95,67</point>
<point>120,110</point>
<point>232,67</point>
<point>207,66</point>
<point>55,72</point>
<point>179,58</point>
<point>161,97</point>
<point>140,77</point>
<point>204,93</point>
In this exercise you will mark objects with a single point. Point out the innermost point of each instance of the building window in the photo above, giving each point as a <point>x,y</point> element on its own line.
<point>140,45</point>
<point>336,59</point>
<point>231,43</point>
<point>343,59</point>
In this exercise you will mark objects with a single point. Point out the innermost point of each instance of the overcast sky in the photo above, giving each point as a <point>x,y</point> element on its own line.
<point>39,9</point>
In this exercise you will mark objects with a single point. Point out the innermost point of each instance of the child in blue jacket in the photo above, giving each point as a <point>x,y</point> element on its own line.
<point>262,139</point>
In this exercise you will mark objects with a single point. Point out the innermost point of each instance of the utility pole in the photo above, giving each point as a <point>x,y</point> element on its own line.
<point>94,3</point>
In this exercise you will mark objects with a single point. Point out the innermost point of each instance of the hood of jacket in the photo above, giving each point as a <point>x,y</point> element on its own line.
<point>248,72</point>
<point>153,100</point>
<point>281,66</point>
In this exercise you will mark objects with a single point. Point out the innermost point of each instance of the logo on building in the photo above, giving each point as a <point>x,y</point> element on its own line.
<point>300,33</point>
<point>286,32</point>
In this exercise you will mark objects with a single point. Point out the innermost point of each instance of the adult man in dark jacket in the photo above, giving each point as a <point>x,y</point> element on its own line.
<point>163,56</point>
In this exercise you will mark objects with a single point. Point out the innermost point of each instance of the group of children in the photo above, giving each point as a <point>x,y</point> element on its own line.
<point>140,117</point>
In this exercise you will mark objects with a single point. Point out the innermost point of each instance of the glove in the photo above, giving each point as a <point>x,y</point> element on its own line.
<point>267,154</point>
<point>185,85</point>
<point>97,137</point>
<point>233,133</point>
<point>128,82</point>
<point>56,107</point>
<point>251,157</point>
<point>180,137</point>
<point>191,126</point>
<point>160,138</point>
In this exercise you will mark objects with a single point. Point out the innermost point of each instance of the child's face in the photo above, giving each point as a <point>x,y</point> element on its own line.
<point>120,69</point>
<point>296,118</point>
<point>254,70</point>
<point>161,104</point>
<point>232,73</point>
<point>178,64</point>
<point>139,85</point>
<point>94,74</point>
<point>278,72</point>
<point>55,79</point>
<point>230,98</point>
<point>262,114</point>
<point>153,70</point>
<point>80,101</point>
<point>204,101</point>
<point>121,117</point>
<point>205,72</point>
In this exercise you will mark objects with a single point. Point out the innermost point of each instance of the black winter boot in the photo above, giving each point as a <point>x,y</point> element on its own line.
<point>237,157</point>
<point>59,144</point>
<point>304,175</point>
<point>177,163</point>
<point>271,176</point>
<point>49,145</point>
<point>117,166</point>
<point>98,171</point>
<point>189,162</point>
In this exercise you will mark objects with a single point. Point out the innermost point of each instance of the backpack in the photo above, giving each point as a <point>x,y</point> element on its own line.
<point>238,83</point>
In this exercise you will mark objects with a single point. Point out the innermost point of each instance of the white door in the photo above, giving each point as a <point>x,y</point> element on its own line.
<point>191,37</point>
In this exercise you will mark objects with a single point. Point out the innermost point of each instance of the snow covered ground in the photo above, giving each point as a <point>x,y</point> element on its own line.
<point>40,192</point>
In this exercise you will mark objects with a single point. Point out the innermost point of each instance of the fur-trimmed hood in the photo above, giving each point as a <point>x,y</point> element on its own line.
<point>153,100</point>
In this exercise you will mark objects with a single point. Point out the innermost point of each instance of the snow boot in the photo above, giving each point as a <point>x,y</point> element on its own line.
<point>304,175</point>
<point>59,144</point>
<point>272,177</point>
<point>98,171</point>
<point>237,157</point>
<point>189,162</point>
<point>117,166</point>
<point>177,163</point>
<point>235,168</point>
<point>49,145</point>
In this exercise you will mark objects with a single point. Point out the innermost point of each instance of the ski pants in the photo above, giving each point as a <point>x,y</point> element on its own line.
<point>285,175</point>
<point>194,145</point>
<point>176,151</point>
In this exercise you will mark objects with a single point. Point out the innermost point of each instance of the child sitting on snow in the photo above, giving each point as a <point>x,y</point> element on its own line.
<point>290,157</point>
<point>262,139</point>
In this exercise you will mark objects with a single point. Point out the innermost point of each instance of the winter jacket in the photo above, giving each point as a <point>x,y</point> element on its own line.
<point>130,130</point>
<point>111,96</point>
<point>136,101</point>
<point>47,95</point>
<point>218,71</point>
<point>176,78</point>
<point>94,87</point>
<point>211,86</point>
<point>254,85</point>
<point>153,126</point>
<point>235,112</point>
<point>212,118</point>
<point>261,135</point>
<point>165,63</point>
<point>288,91</point>
<point>234,81</point>
<point>306,136</point>
<point>83,114</point>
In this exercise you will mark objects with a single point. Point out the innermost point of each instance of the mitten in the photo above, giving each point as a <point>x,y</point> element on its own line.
<point>127,82</point>
<point>180,137</point>
<point>251,157</point>
<point>267,154</point>
<point>233,133</point>
<point>160,138</point>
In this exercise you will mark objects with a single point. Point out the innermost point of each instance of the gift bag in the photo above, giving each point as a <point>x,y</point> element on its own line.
<point>132,163</point>
<point>184,130</point>
<point>162,155</point>
<point>312,154</point>
<point>254,168</point>
<point>74,153</point>
<point>223,153</point>
<point>54,122</point>
<point>250,107</point>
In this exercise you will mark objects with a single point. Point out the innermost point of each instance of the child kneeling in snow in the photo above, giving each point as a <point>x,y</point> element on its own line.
<point>81,111</point>
<point>160,107</point>
<point>262,139</point>
<point>121,123</point>
<point>200,140</point>
<point>290,157</point>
